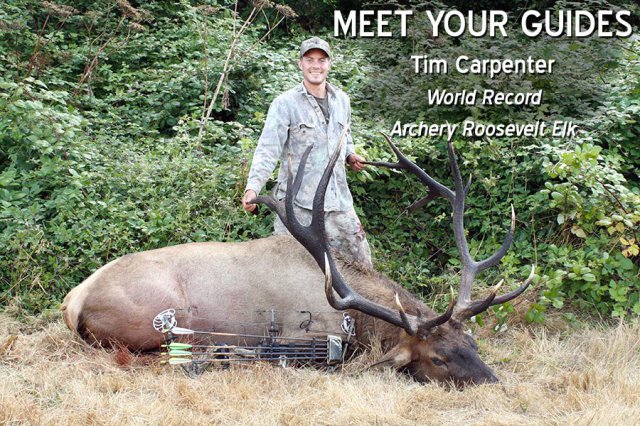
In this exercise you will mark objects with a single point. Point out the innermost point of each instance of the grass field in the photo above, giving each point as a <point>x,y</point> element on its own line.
<point>589,376</point>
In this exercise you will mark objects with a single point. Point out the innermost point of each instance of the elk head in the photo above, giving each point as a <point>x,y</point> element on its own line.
<point>430,346</point>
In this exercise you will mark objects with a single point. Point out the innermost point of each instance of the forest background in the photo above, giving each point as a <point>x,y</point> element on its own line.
<point>102,151</point>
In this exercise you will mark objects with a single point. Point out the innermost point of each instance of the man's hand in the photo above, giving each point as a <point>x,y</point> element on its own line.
<point>249,195</point>
<point>356,162</point>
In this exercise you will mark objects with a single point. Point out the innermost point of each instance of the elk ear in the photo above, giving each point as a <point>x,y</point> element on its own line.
<point>397,357</point>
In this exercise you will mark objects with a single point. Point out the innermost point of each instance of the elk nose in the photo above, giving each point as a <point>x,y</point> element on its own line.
<point>489,377</point>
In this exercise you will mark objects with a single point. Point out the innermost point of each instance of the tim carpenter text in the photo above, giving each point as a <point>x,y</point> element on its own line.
<point>491,67</point>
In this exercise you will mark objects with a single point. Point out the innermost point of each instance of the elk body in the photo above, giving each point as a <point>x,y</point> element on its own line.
<point>231,287</point>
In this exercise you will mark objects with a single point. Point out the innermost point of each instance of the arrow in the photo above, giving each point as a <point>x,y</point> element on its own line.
<point>185,331</point>
<point>174,361</point>
<point>180,330</point>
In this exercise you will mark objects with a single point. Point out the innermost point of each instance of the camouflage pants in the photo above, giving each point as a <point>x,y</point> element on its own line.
<point>344,231</point>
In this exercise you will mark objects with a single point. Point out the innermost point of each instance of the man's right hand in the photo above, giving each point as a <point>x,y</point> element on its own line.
<point>356,162</point>
<point>249,195</point>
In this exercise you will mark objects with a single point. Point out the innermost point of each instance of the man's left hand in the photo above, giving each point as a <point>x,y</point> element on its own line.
<point>356,162</point>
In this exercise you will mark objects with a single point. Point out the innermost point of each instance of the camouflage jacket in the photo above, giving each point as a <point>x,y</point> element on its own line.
<point>294,122</point>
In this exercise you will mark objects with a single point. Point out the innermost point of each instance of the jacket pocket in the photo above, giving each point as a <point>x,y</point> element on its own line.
<point>302,128</point>
<point>301,136</point>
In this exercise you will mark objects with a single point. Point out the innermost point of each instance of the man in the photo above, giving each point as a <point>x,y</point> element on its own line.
<point>313,113</point>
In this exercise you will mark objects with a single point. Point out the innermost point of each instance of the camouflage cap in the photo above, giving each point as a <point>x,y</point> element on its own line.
<point>315,43</point>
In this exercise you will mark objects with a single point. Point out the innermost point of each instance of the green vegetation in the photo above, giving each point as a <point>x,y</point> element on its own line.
<point>100,153</point>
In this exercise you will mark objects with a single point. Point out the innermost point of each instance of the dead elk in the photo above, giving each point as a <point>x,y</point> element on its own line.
<point>228,286</point>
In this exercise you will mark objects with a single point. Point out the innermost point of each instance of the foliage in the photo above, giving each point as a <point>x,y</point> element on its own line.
<point>99,115</point>
<point>92,173</point>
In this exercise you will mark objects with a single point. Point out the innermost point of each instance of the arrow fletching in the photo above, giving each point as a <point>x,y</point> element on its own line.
<point>177,345</point>
<point>179,352</point>
<point>177,361</point>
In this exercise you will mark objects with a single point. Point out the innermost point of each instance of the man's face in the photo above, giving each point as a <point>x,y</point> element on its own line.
<point>315,65</point>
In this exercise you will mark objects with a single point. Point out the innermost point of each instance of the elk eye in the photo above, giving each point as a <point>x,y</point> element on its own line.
<point>437,361</point>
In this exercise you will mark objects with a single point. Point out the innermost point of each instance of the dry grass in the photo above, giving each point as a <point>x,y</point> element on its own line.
<point>50,377</point>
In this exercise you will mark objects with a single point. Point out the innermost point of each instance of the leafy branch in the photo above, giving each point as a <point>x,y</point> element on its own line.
<point>259,6</point>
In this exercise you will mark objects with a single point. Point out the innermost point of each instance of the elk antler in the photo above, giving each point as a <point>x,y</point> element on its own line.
<point>465,308</point>
<point>313,238</point>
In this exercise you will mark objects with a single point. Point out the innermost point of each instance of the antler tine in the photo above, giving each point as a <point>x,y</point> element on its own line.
<point>292,191</point>
<point>425,327</point>
<point>424,200</point>
<point>455,170</point>
<point>336,303</point>
<point>404,163</point>
<point>384,164</point>
<point>466,188</point>
<point>408,327</point>
<point>457,204</point>
<point>421,202</point>
<point>474,308</point>
<point>317,212</point>
<point>517,292</point>
<point>285,209</point>
<point>480,306</point>
<point>499,254</point>
<point>271,202</point>
<point>469,266</point>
